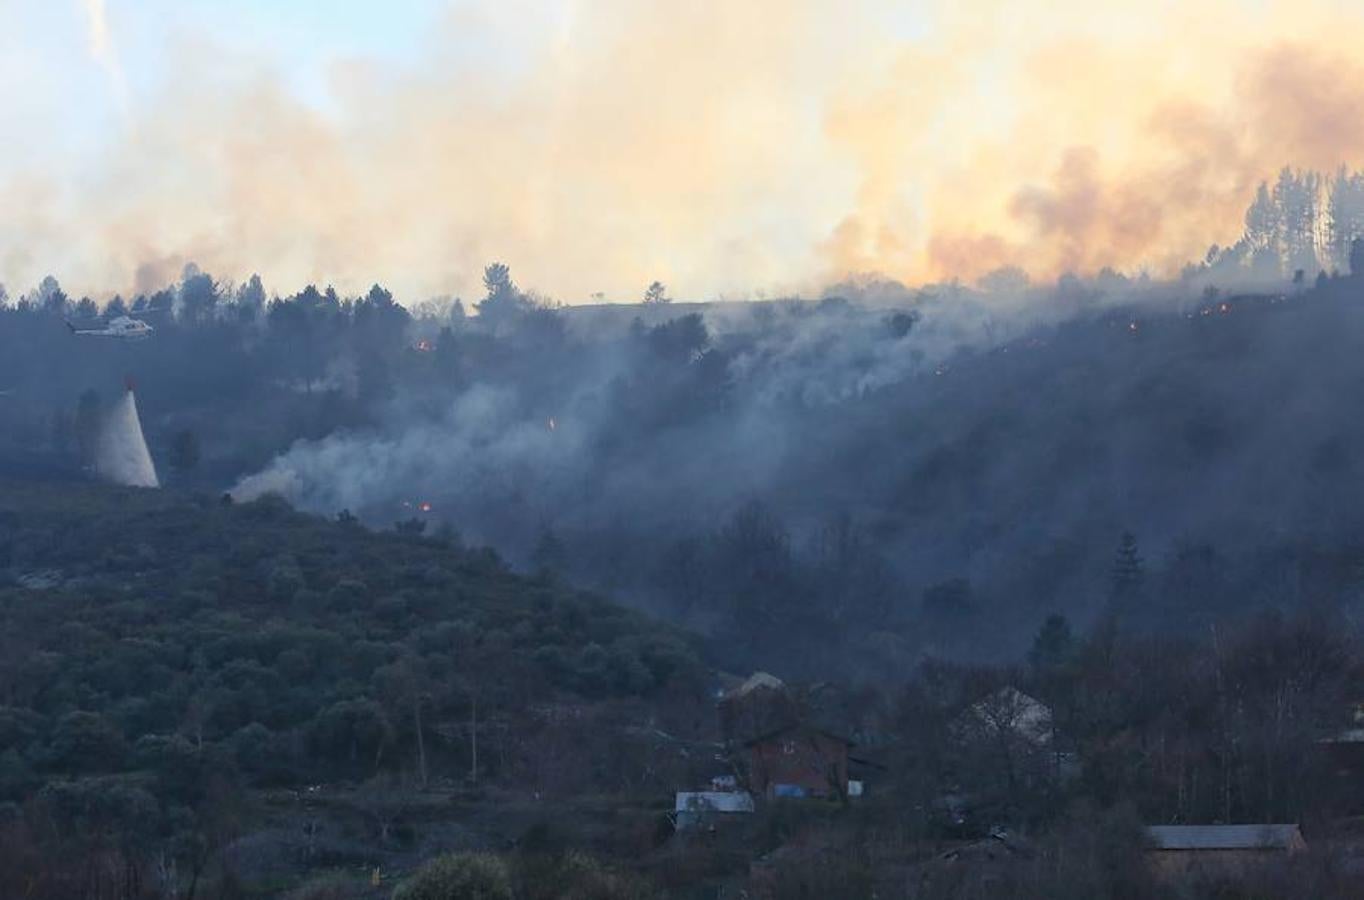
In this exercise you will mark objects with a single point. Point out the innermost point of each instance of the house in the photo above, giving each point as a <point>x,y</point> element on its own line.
<point>1344,752</point>
<point>1008,712</point>
<point>1005,742</point>
<point>1344,749</point>
<point>799,761</point>
<point>759,705</point>
<point>1176,849</point>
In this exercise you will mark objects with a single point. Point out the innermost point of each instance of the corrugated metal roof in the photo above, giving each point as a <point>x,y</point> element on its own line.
<point>1224,837</point>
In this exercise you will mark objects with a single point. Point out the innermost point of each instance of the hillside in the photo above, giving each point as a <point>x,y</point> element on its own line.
<point>164,653</point>
<point>818,488</point>
<point>1220,432</point>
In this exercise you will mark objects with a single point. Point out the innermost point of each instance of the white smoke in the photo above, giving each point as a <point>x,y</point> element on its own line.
<point>105,53</point>
<point>123,457</point>
<point>482,446</point>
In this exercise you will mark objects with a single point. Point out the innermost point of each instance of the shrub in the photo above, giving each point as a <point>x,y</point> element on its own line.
<point>85,742</point>
<point>577,876</point>
<point>331,887</point>
<point>458,876</point>
<point>815,876</point>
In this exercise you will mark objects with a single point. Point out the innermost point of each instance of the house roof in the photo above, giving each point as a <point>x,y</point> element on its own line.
<point>1010,709</point>
<point>798,726</point>
<point>1348,736</point>
<point>757,681</point>
<point>1224,837</point>
<point>869,763</point>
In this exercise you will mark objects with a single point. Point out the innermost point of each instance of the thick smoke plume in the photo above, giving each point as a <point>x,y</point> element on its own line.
<point>123,457</point>
<point>975,439</point>
<point>720,147</point>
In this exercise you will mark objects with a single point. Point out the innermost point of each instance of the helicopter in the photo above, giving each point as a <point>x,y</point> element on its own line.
<point>123,327</point>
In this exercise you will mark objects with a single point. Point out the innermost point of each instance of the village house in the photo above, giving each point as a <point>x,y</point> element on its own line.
<point>1014,734</point>
<point>782,745</point>
<point>1343,750</point>
<point>1010,713</point>
<point>800,761</point>
<point>760,704</point>
<point>1177,850</point>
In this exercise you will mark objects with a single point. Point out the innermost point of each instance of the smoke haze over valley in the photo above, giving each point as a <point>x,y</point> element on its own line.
<point>624,450</point>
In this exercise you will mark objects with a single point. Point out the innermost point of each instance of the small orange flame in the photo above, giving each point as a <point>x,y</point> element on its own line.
<point>423,346</point>
<point>552,424</point>
<point>425,507</point>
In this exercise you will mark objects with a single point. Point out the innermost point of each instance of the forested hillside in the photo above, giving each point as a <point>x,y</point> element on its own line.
<point>162,653</point>
<point>201,697</point>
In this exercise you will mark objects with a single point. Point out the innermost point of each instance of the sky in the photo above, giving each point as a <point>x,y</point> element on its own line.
<point>728,149</point>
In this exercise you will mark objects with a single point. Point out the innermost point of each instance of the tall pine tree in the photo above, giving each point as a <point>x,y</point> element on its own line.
<point>1129,571</point>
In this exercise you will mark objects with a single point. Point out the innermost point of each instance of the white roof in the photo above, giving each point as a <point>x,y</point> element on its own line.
<point>714,801</point>
<point>758,680</point>
<point>1011,709</point>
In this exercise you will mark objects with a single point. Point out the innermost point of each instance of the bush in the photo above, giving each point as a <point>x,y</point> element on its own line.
<point>816,876</point>
<point>85,742</point>
<point>577,876</point>
<point>458,876</point>
<point>332,887</point>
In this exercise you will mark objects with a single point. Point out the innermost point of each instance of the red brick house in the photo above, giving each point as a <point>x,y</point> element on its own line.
<point>798,761</point>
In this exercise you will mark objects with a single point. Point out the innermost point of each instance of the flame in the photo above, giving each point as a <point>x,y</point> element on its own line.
<point>424,507</point>
<point>423,346</point>
<point>552,424</point>
<point>1132,326</point>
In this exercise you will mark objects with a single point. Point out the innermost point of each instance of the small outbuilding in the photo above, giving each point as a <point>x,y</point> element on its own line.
<point>692,807</point>
<point>1176,849</point>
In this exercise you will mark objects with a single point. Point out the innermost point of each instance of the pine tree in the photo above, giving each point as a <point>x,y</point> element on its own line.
<point>504,301</point>
<point>1346,211</point>
<point>548,554</point>
<point>184,450</point>
<point>656,294</point>
<point>1054,645</point>
<point>1262,220</point>
<point>1128,569</point>
<point>1357,257</point>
